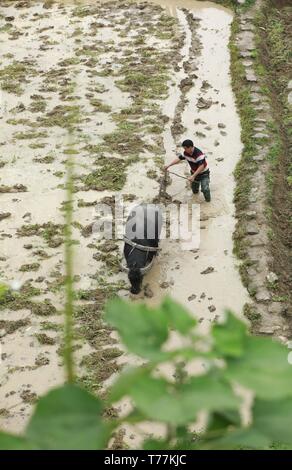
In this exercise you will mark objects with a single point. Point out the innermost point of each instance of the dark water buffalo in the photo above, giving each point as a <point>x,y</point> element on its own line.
<point>142,233</point>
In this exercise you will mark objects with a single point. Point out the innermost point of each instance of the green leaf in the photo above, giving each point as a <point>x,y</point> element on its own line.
<point>263,368</point>
<point>124,382</point>
<point>3,290</point>
<point>248,438</point>
<point>223,419</point>
<point>177,316</point>
<point>156,398</point>
<point>68,418</point>
<point>230,337</point>
<point>209,393</point>
<point>143,330</point>
<point>10,442</point>
<point>179,404</point>
<point>157,444</point>
<point>274,419</point>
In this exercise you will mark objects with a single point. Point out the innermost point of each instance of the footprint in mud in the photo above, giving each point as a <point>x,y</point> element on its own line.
<point>215,209</point>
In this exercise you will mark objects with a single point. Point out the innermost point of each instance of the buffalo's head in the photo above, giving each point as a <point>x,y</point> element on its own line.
<point>135,277</point>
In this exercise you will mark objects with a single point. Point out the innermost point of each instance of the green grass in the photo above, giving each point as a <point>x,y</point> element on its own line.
<point>30,135</point>
<point>150,85</point>
<point>45,339</point>
<point>29,267</point>
<point>110,175</point>
<point>246,166</point>
<point>50,232</point>
<point>15,75</point>
<point>100,106</point>
<point>47,325</point>
<point>64,116</point>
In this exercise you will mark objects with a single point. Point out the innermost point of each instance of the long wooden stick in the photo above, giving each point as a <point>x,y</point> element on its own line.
<point>172,173</point>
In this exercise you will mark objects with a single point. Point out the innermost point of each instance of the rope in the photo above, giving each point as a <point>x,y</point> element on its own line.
<point>141,247</point>
<point>172,173</point>
<point>142,270</point>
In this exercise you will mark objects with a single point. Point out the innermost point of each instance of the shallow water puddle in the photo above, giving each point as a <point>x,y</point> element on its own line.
<point>204,56</point>
<point>221,288</point>
<point>205,281</point>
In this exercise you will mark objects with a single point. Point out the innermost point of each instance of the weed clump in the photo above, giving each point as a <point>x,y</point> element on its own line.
<point>43,309</point>
<point>63,116</point>
<point>49,231</point>
<point>14,75</point>
<point>29,267</point>
<point>45,339</point>
<point>111,175</point>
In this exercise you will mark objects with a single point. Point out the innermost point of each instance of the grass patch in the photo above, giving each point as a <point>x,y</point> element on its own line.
<point>273,58</point>
<point>48,325</point>
<point>29,267</point>
<point>100,106</point>
<point>45,339</point>
<point>49,231</point>
<point>100,366</point>
<point>148,83</point>
<point>38,106</point>
<point>111,261</point>
<point>43,309</point>
<point>111,175</point>
<point>14,76</point>
<point>30,135</point>
<point>47,159</point>
<point>11,326</point>
<point>64,116</point>
<point>251,314</point>
<point>124,142</point>
<point>246,166</point>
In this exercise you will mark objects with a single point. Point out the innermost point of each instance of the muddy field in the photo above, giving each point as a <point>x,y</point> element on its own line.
<point>116,85</point>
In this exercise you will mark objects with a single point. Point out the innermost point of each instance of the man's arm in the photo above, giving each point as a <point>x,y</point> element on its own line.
<point>174,162</point>
<point>197,172</point>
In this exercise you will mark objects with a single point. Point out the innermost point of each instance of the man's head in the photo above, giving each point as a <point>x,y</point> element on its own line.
<point>188,146</point>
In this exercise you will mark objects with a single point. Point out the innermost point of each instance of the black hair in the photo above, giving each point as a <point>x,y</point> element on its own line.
<point>135,278</point>
<point>187,143</point>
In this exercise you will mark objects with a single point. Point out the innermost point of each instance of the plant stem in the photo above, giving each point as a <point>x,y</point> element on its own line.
<point>68,350</point>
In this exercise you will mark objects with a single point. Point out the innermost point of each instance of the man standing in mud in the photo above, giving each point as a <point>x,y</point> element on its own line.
<point>200,173</point>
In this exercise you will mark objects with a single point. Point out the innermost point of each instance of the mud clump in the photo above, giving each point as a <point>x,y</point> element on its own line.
<point>101,363</point>
<point>46,159</point>
<point>148,291</point>
<point>211,308</point>
<point>82,203</point>
<point>43,309</point>
<point>4,413</point>
<point>204,104</point>
<point>108,246</point>
<point>4,215</point>
<point>28,397</point>
<point>19,300</point>
<point>16,188</point>
<point>87,231</point>
<point>29,267</point>
<point>11,326</point>
<point>45,339</point>
<point>49,231</point>
<point>187,83</point>
<point>41,360</point>
<point>208,270</point>
<point>192,297</point>
<point>110,260</point>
